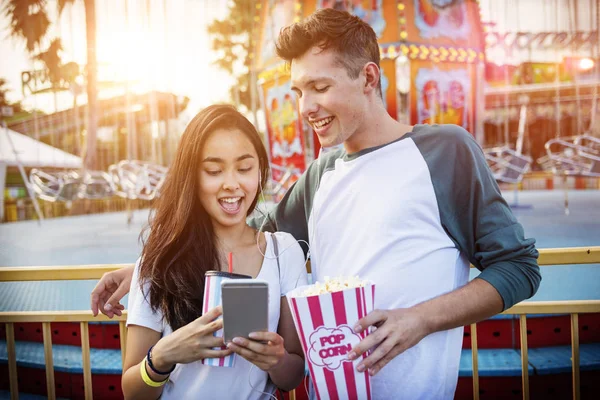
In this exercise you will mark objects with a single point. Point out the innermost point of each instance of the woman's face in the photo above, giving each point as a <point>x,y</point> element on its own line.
<point>228,177</point>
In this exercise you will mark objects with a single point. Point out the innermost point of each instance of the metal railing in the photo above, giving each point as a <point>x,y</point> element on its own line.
<point>46,318</point>
<point>84,317</point>
<point>548,257</point>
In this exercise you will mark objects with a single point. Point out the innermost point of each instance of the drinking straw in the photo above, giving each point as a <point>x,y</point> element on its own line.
<point>230,262</point>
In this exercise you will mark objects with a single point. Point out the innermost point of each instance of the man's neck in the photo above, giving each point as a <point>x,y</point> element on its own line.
<point>378,128</point>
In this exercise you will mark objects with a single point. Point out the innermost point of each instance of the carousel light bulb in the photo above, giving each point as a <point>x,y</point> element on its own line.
<point>585,64</point>
<point>568,152</point>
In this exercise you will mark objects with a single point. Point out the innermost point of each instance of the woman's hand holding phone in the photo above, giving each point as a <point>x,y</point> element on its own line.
<point>265,349</point>
<point>192,342</point>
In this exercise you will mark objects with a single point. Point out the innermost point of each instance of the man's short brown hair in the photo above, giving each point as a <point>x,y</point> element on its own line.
<point>350,37</point>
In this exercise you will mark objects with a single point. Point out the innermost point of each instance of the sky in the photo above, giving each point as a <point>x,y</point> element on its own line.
<point>170,51</point>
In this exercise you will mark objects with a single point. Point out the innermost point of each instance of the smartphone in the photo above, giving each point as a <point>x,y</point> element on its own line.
<point>245,307</point>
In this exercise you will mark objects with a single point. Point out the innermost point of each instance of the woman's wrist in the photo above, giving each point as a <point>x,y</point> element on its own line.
<point>280,362</point>
<point>160,359</point>
<point>288,372</point>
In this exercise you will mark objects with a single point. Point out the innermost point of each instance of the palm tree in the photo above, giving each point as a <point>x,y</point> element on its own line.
<point>52,61</point>
<point>92,80</point>
<point>53,64</point>
<point>3,91</point>
<point>29,21</point>
<point>16,106</point>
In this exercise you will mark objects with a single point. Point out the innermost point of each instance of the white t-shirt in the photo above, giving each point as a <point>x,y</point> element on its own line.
<point>410,216</point>
<point>202,381</point>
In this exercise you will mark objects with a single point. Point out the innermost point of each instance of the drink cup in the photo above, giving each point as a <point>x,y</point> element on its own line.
<point>212,299</point>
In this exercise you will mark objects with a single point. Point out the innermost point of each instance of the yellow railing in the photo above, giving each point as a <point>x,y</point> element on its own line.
<point>22,209</point>
<point>548,257</point>
<point>561,256</point>
<point>77,272</point>
<point>46,318</point>
<point>574,308</point>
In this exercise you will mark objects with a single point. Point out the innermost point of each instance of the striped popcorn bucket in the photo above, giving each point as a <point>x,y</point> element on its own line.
<point>325,328</point>
<point>212,299</point>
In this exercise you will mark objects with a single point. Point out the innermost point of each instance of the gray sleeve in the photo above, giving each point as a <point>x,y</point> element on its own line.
<point>291,214</point>
<point>476,216</point>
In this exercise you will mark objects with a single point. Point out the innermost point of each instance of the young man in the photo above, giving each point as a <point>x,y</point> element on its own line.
<point>405,207</point>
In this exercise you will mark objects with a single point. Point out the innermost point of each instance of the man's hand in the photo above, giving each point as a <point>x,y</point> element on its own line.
<point>397,330</point>
<point>111,288</point>
<point>400,329</point>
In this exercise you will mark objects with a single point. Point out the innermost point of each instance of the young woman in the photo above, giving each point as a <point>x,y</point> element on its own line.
<point>212,186</point>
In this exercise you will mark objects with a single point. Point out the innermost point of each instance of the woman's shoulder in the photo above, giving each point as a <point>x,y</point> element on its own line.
<point>136,268</point>
<point>284,237</point>
<point>286,241</point>
<point>292,261</point>
<point>137,283</point>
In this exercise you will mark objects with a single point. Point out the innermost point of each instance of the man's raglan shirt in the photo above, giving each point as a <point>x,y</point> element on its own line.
<point>410,216</point>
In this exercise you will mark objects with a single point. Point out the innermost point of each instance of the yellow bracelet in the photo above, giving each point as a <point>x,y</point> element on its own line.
<point>146,378</point>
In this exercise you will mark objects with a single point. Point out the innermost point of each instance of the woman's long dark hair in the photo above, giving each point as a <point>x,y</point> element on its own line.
<point>181,244</point>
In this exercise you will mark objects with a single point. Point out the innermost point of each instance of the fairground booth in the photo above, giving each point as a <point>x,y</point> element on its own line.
<point>531,105</point>
<point>432,68</point>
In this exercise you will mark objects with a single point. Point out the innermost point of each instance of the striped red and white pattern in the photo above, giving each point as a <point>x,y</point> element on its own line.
<point>324,324</point>
<point>212,298</point>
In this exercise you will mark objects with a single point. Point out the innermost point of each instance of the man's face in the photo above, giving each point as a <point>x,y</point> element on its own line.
<point>332,102</point>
